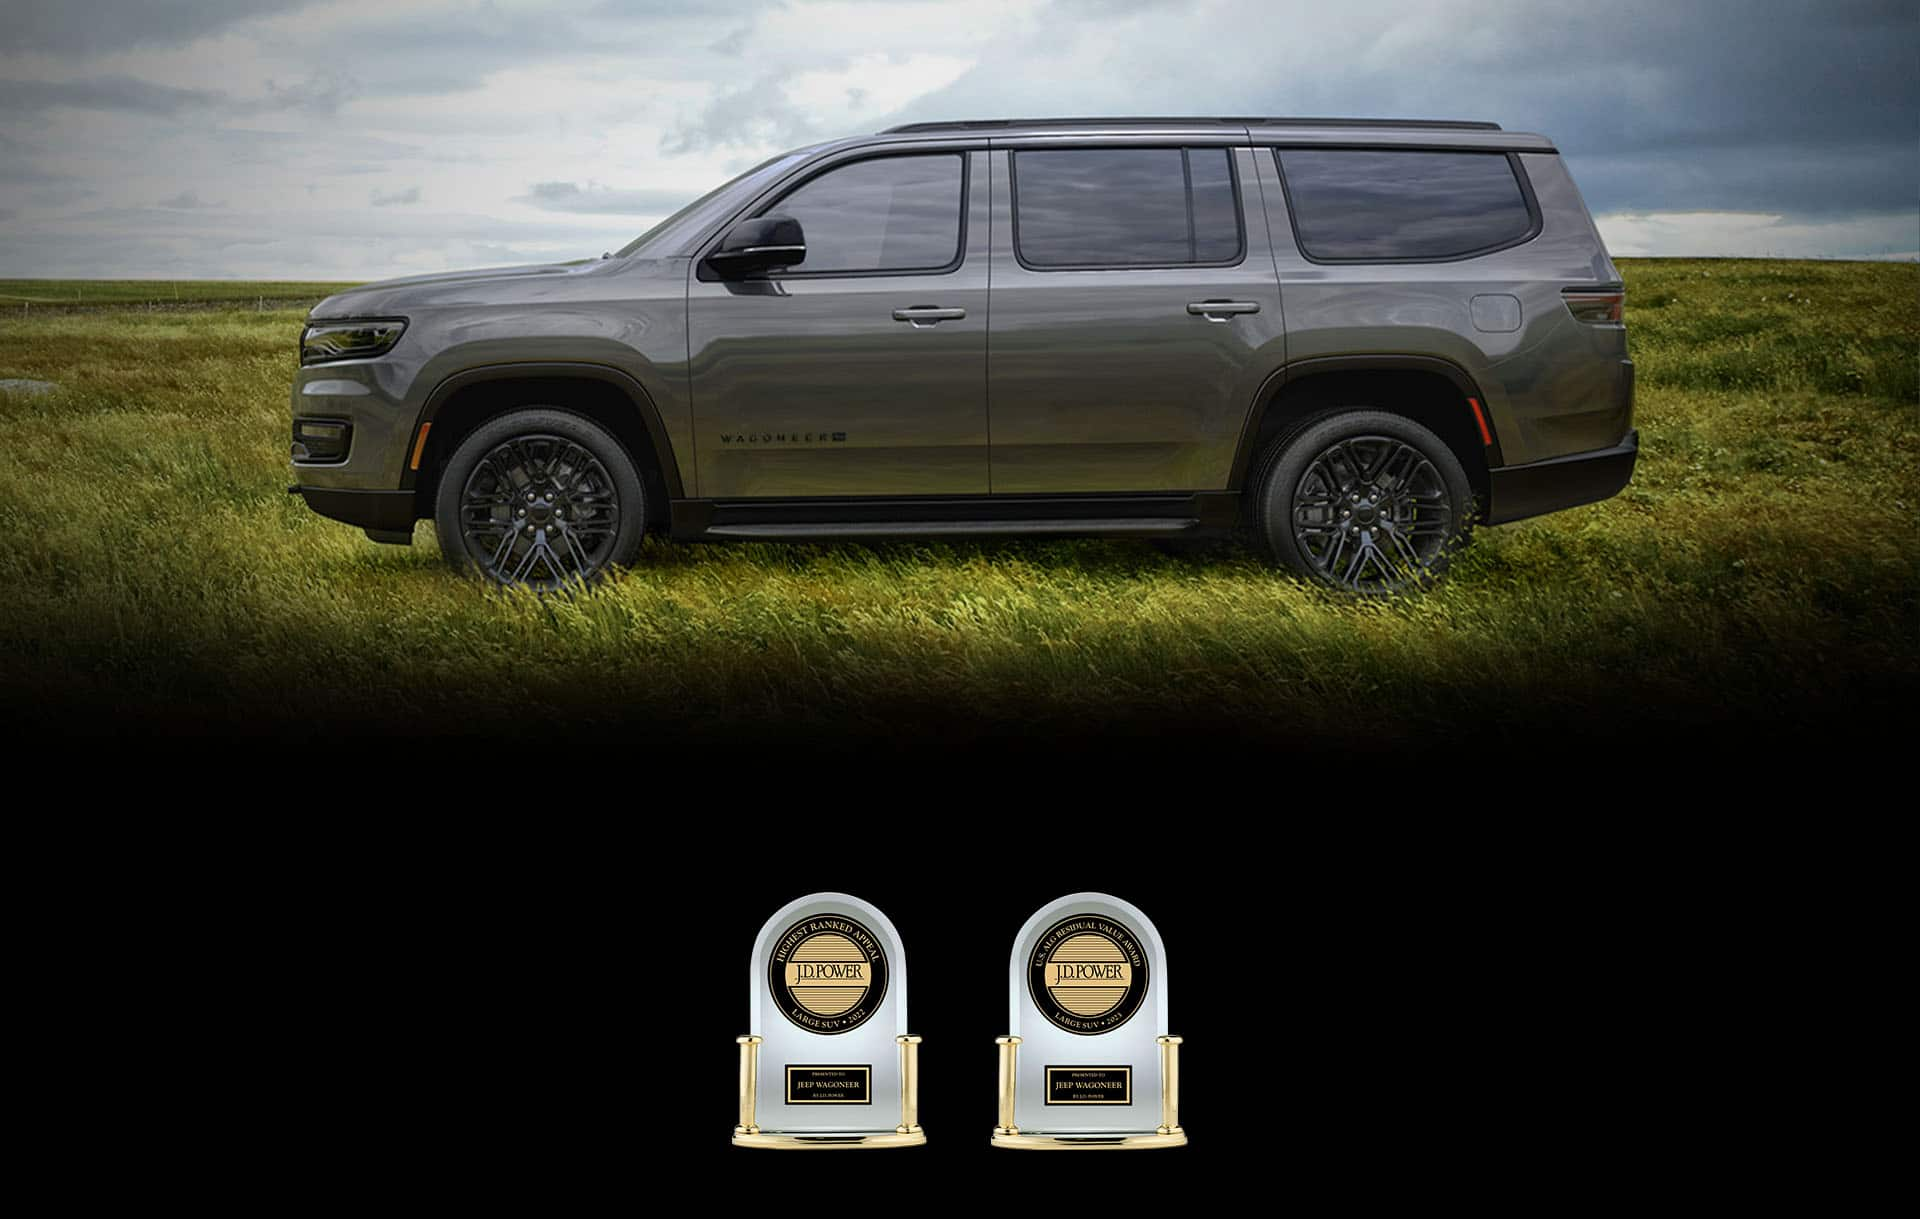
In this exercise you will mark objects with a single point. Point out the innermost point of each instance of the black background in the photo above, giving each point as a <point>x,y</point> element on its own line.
<point>546,1013</point>
<point>1386,1000</point>
<point>1572,983</point>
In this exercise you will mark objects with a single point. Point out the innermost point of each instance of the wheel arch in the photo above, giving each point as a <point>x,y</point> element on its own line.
<point>1434,392</point>
<point>606,395</point>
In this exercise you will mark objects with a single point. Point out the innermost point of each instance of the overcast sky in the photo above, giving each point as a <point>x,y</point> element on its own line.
<point>355,139</point>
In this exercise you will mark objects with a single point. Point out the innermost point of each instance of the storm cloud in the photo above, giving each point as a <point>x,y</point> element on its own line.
<point>186,199</point>
<point>594,199</point>
<point>67,28</point>
<point>559,129</point>
<point>19,97</point>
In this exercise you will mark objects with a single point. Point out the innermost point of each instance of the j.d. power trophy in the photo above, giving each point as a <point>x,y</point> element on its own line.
<point>828,1062</point>
<point>1088,1063</point>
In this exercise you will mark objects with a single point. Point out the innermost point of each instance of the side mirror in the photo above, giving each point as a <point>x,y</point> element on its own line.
<point>760,244</point>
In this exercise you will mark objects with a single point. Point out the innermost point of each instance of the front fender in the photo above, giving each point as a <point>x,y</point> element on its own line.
<point>607,374</point>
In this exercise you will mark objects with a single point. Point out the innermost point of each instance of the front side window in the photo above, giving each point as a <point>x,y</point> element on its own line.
<point>1118,207</point>
<point>889,214</point>
<point>1391,205</point>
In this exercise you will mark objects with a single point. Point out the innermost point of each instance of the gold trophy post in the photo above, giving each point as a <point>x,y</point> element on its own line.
<point>1169,1133</point>
<point>907,1134</point>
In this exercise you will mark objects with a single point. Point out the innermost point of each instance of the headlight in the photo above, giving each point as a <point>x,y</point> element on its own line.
<point>349,340</point>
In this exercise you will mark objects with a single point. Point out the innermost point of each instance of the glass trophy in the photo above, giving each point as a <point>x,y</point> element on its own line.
<point>828,1062</point>
<point>1088,1062</point>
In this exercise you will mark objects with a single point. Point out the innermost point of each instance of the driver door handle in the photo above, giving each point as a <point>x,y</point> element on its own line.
<point>927,315</point>
<point>1220,311</point>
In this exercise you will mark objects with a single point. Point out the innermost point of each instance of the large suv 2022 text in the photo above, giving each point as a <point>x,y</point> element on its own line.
<point>1349,340</point>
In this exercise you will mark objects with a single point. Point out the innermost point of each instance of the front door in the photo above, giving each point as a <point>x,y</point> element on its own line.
<point>1136,313</point>
<point>862,370</point>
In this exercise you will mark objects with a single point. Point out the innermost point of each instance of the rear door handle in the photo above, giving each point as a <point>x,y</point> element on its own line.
<point>1220,311</point>
<point>927,315</point>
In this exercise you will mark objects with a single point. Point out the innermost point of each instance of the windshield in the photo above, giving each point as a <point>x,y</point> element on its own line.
<point>678,231</point>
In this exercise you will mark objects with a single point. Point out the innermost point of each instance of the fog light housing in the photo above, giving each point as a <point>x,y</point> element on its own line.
<point>319,441</point>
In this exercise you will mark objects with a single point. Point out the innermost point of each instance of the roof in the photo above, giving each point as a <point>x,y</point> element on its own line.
<point>1002,124</point>
<point>1323,132</point>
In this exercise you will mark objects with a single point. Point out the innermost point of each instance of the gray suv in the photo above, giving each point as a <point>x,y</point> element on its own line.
<point>1348,340</point>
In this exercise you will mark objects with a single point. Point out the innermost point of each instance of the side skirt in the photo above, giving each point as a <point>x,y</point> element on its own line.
<point>1188,514</point>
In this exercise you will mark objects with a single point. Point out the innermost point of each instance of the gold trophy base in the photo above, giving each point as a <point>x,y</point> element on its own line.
<point>1175,1137</point>
<point>1167,1134</point>
<point>912,1137</point>
<point>907,1134</point>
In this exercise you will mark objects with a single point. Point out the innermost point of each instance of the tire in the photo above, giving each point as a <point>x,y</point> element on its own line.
<point>1363,501</point>
<point>539,497</point>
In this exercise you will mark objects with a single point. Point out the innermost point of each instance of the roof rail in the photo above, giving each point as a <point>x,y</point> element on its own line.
<point>1256,121</point>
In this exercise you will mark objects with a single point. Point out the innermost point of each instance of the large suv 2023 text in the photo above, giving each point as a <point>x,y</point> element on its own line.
<point>1349,340</point>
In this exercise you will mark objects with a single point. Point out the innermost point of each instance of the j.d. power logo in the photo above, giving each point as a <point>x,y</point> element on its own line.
<point>827,973</point>
<point>1087,974</point>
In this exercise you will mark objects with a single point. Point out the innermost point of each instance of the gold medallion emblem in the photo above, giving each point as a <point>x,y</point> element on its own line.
<point>1088,974</point>
<point>827,973</point>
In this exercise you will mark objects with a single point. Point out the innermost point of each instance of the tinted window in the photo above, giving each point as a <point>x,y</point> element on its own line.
<point>1216,216</point>
<point>887,214</point>
<point>1392,205</point>
<point>1108,207</point>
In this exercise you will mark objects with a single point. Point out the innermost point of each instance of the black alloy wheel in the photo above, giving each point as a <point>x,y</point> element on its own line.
<point>541,498</point>
<point>1366,502</point>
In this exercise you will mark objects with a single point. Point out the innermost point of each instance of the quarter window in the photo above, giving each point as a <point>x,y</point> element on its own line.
<point>886,214</point>
<point>1118,207</point>
<point>1390,205</point>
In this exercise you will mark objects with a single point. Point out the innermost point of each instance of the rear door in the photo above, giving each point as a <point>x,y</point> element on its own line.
<point>862,370</point>
<point>1136,313</point>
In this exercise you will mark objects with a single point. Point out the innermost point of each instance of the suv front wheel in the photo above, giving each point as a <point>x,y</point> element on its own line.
<point>1365,501</point>
<point>539,497</point>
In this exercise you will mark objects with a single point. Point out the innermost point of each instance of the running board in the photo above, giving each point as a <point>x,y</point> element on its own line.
<point>1135,527</point>
<point>1156,514</point>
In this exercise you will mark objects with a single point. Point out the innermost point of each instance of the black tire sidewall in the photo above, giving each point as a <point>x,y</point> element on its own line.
<point>1288,465</point>
<point>546,420</point>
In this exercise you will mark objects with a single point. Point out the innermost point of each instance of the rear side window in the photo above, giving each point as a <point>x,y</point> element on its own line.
<point>889,214</point>
<point>1393,206</point>
<point>1125,207</point>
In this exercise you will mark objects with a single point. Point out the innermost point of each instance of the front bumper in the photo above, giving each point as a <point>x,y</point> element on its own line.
<point>367,398</point>
<point>1518,492</point>
<point>365,484</point>
<point>387,516</point>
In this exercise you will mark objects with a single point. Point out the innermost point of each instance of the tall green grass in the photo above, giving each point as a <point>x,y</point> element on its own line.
<point>1763,569</point>
<point>15,293</point>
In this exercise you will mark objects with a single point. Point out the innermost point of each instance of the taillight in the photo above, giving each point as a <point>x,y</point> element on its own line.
<point>1596,307</point>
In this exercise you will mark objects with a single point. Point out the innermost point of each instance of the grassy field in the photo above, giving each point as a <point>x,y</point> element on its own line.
<point>1759,580</point>
<point>15,293</point>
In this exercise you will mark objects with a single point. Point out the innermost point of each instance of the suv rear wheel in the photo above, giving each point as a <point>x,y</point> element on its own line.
<point>539,497</point>
<point>1365,501</point>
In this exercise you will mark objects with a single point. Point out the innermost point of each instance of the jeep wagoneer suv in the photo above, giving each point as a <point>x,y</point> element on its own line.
<point>1348,340</point>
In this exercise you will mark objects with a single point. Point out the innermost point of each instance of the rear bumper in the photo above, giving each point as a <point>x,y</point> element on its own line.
<point>1518,492</point>
<point>387,516</point>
